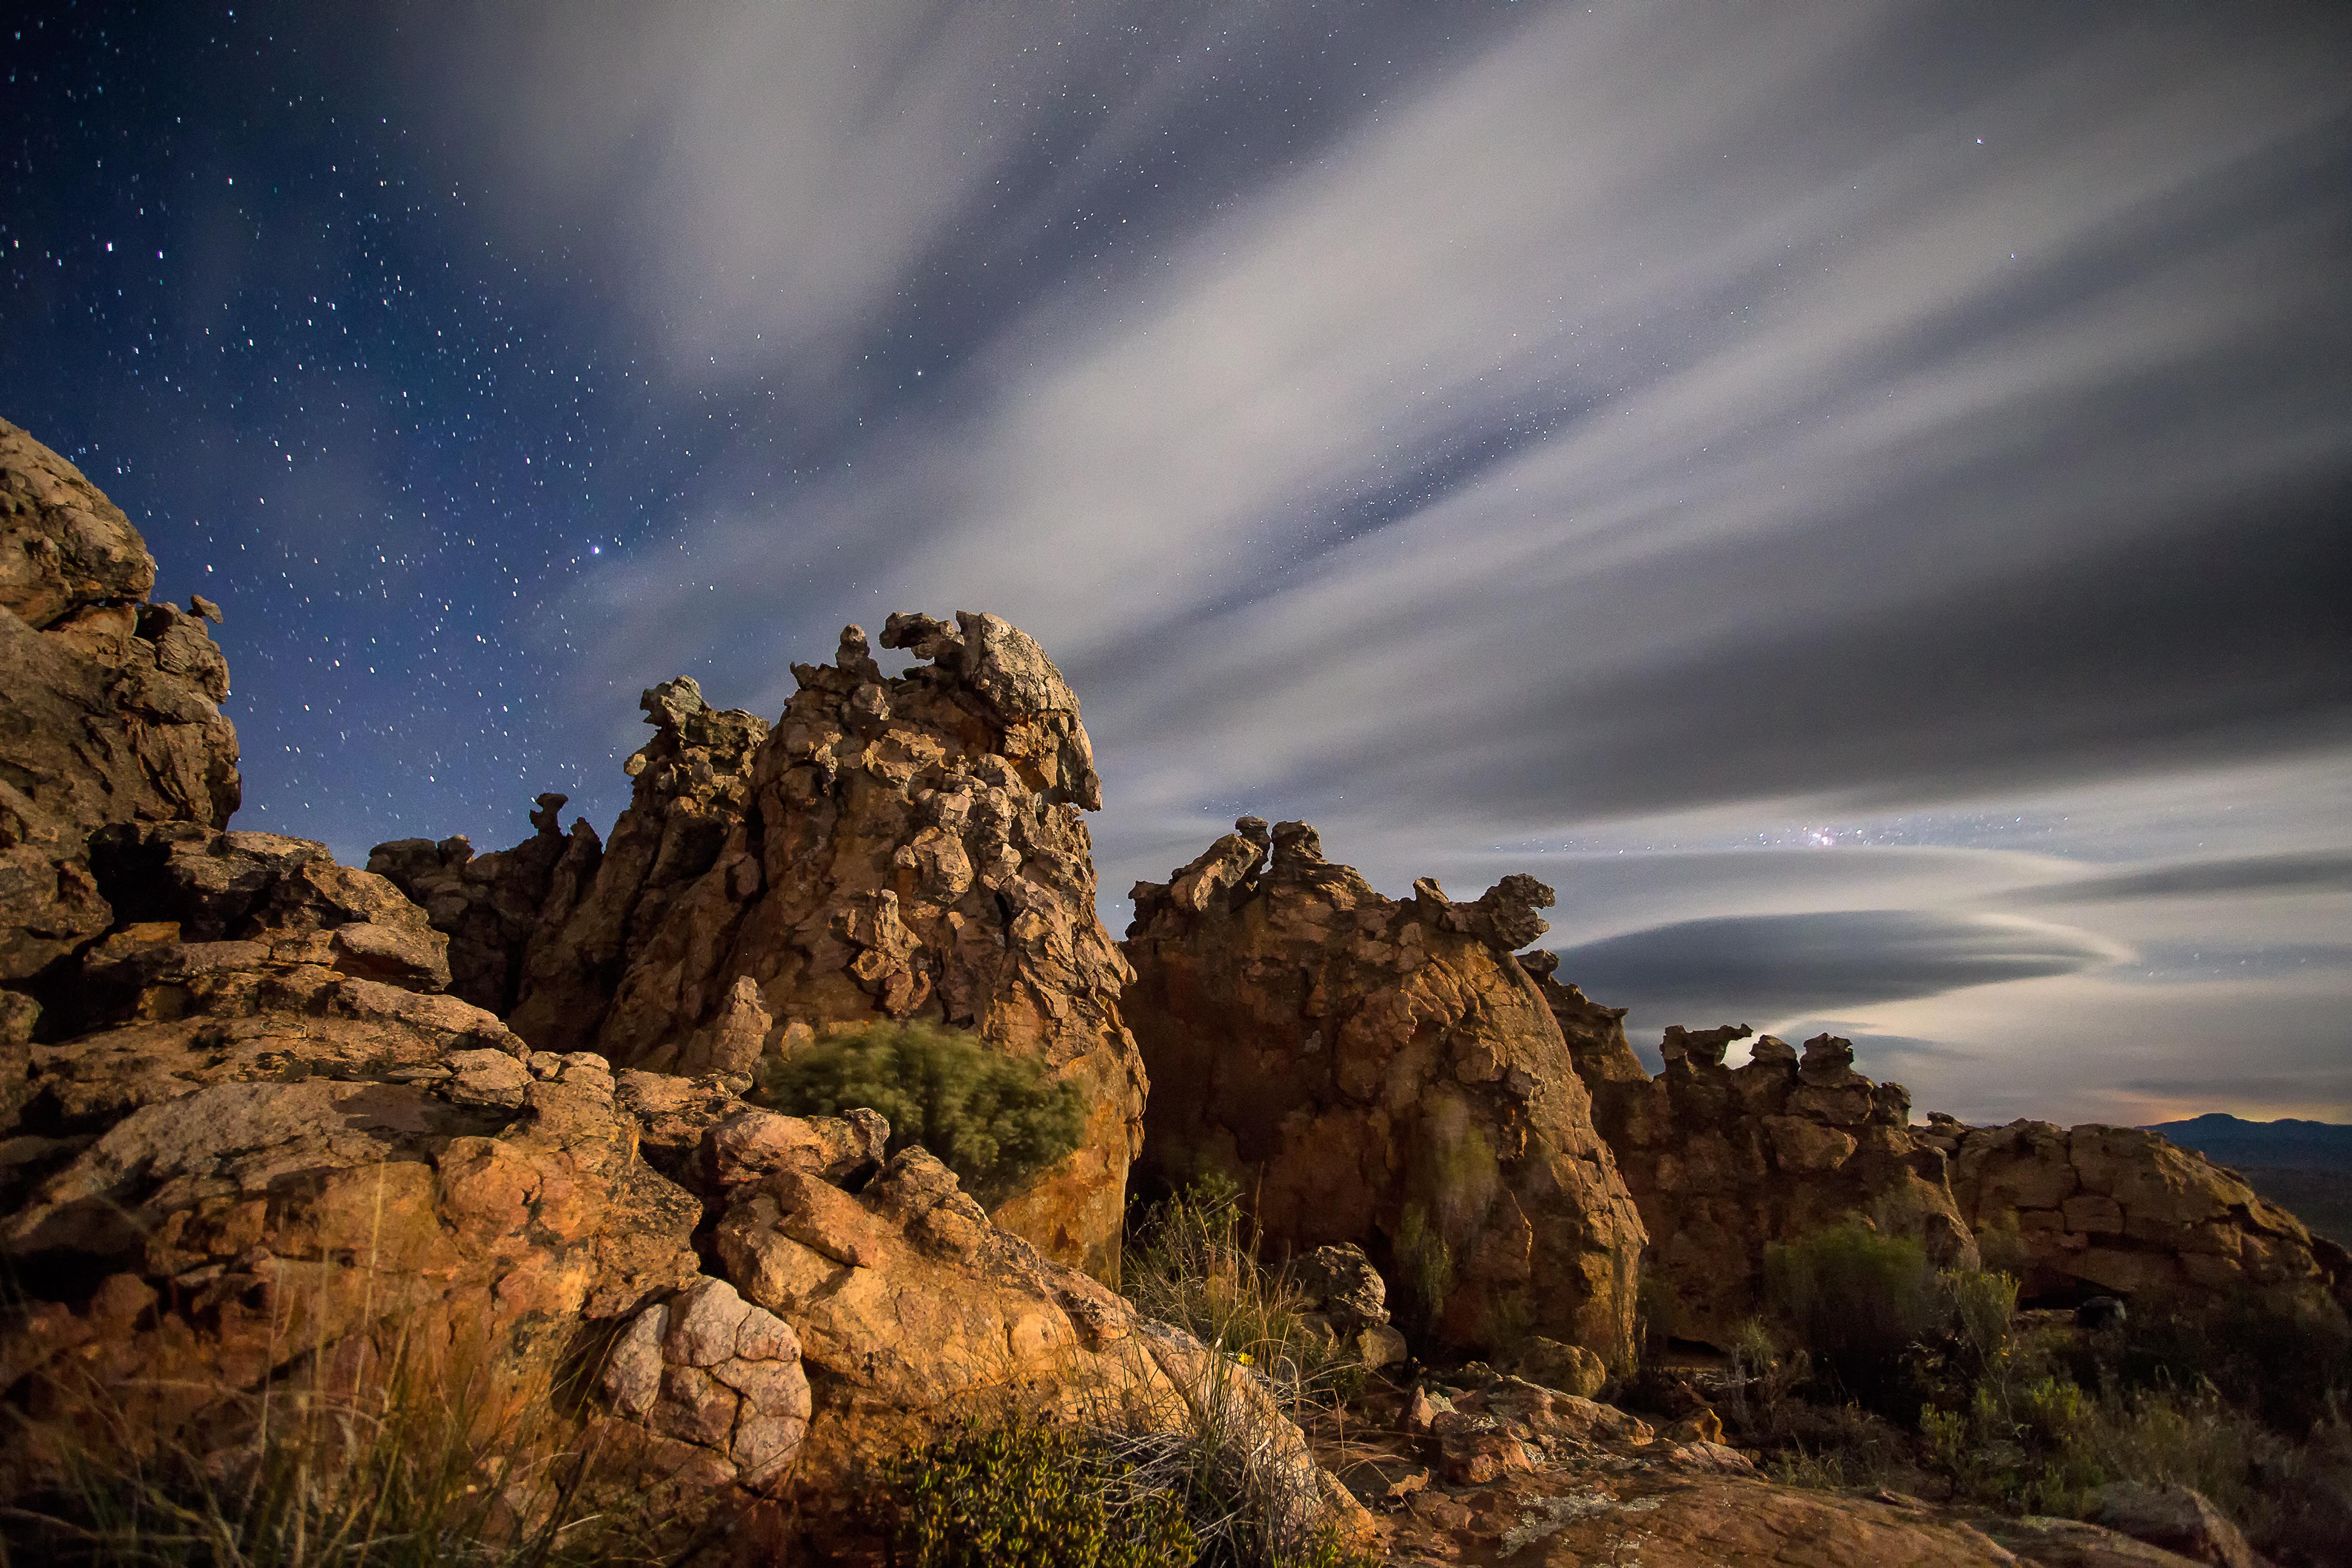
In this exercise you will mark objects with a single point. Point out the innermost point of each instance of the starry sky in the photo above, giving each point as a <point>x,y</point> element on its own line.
<point>1855,496</point>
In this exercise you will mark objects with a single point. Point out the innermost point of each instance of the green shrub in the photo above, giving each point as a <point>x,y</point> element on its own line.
<point>1979,1311</point>
<point>2281,1355</point>
<point>1020,1490</point>
<point>992,1119</point>
<point>1857,1302</point>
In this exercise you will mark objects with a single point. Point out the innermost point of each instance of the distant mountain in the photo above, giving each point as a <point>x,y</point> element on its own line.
<point>2285,1144</point>
<point>2304,1168</point>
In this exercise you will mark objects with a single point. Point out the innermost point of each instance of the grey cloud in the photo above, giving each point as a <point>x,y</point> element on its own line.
<point>2197,963</point>
<point>2313,871</point>
<point>1758,968</point>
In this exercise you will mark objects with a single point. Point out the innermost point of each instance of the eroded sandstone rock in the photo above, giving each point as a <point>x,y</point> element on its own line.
<point>896,847</point>
<point>912,1310</point>
<point>1382,1073</point>
<point>1724,1160</point>
<point>490,906</point>
<point>2094,1210</point>
<point>305,1168</point>
<point>112,712</point>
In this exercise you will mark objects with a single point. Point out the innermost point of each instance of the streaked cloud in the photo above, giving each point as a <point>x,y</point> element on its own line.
<point>1763,969</point>
<point>1620,425</point>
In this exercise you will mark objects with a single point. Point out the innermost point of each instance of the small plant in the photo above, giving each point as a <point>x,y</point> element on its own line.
<point>1020,1490</point>
<point>1979,1309</point>
<point>995,1120</point>
<point>1193,1263</point>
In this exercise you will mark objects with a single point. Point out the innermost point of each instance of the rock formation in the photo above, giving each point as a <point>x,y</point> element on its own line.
<point>1724,1161</point>
<point>895,847</point>
<point>111,714</point>
<point>2096,1210</point>
<point>283,1148</point>
<point>1383,1073</point>
<point>252,1141</point>
<point>490,906</point>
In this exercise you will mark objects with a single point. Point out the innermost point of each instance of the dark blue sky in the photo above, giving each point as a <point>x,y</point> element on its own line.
<point>1812,485</point>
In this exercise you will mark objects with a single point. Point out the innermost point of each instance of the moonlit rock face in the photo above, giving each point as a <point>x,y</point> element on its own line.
<point>1381,1072</point>
<point>892,847</point>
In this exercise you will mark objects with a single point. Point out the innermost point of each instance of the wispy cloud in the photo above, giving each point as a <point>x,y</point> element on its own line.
<point>1662,410</point>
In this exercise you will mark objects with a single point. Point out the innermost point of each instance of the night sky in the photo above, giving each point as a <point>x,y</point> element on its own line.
<point>1858,497</point>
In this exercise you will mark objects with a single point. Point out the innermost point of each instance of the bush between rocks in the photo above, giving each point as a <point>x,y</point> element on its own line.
<point>995,1120</point>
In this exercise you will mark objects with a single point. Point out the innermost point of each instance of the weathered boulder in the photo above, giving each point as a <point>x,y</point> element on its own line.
<point>896,847</point>
<point>278,1165</point>
<point>491,905</point>
<point>1724,1160</point>
<point>2097,1210</point>
<point>2177,1517</point>
<point>912,1310</point>
<point>1383,1073</point>
<point>112,710</point>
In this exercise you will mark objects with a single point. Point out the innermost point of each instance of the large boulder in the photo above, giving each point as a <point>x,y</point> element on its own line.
<point>893,848</point>
<point>914,1311</point>
<point>2097,1210</point>
<point>1383,1073</point>
<point>1723,1161</point>
<point>267,1161</point>
<point>111,714</point>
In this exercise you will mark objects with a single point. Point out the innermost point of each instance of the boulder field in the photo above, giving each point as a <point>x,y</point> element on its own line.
<point>265,1117</point>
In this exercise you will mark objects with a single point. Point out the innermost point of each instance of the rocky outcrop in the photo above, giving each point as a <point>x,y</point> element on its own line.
<point>490,906</point>
<point>913,1311</point>
<point>272,1160</point>
<point>1384,1073</point>
<point>111,714</point>
<point>2096,1210</point>
<point>1724,1160</point>
<point>895,847</point>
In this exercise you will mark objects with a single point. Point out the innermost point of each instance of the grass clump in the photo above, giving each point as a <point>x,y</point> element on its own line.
<point>391,1468</point>
<point>995,1120</point>
<point>1193,1263</point>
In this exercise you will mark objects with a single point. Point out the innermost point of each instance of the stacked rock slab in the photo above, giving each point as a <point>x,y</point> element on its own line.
<point>896,847</point>
<point>1724,1160</point>
<point>274,1150</point>
<point>2097,1210</point>
<point>1383,1073</point>
<point>111,714</point>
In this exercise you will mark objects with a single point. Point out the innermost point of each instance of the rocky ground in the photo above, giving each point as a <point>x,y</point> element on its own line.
<point>1510,1472</point>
